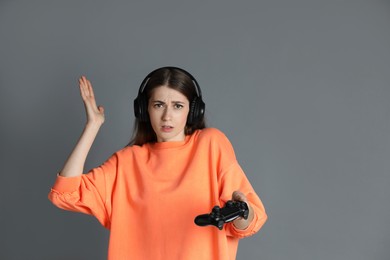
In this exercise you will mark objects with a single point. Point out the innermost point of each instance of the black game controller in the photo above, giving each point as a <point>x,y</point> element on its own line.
<point>220,216</point>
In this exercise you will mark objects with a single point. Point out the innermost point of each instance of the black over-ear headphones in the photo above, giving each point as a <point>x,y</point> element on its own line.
<point>197,106</point>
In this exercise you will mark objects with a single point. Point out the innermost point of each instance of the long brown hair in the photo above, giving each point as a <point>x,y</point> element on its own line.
<point>173,78</point>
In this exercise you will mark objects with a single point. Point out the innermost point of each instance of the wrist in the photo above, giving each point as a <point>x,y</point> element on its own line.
<point>93,125</point>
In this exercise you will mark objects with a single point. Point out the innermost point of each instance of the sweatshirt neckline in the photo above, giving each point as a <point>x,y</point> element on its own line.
<point>171,144</point>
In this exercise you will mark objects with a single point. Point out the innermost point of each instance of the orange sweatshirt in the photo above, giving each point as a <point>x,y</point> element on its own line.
<point>148,197</point>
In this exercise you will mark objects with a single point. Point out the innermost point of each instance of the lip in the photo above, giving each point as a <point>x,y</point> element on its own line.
<point>167,128</point>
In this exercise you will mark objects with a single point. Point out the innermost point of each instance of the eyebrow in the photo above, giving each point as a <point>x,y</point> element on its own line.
<point>174,102</point>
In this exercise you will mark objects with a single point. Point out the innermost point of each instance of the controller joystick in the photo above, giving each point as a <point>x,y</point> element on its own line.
<point>219,216</point>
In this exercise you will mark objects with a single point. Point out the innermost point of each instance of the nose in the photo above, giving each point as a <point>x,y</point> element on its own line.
<point>166,116</point>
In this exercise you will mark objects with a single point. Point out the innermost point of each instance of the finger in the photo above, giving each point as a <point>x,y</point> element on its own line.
<point>81,87</point>
<point>89,102</point>
<point>90,89</point>
<point>86,84</point>
<point>82,83</point>
<point>239,196</point>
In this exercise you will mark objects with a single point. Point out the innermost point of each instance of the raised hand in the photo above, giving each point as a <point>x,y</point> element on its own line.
<point>95,114</point>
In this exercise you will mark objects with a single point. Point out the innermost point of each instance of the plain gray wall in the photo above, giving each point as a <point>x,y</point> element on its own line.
<point>301,88</point>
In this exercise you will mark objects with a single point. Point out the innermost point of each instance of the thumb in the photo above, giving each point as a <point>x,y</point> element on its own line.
<point>239,196</point>
<point>101,109</point>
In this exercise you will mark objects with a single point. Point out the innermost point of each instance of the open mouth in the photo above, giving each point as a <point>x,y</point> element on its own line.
<point>167,128</point>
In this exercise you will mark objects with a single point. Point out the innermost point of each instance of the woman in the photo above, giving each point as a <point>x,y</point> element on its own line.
<point>174,169</point>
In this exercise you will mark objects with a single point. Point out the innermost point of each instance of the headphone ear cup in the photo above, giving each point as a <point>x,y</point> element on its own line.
<point>191,113</point>
<point>137,112</point>
<point>196,112</point>
<point>141,108</point>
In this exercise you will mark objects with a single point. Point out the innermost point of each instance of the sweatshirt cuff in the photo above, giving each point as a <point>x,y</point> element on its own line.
<point>66,184</point>
<point>247,231</point>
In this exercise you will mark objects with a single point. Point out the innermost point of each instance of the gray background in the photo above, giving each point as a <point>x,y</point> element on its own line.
<point>301,88</point>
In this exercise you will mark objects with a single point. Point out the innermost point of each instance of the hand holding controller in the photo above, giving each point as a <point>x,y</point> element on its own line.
<point>220,216</point>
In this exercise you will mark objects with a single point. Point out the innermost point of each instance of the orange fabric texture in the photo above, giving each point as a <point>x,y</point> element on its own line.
<point>148,197</point>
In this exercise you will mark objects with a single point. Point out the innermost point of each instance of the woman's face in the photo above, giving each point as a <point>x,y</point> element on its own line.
<point>168,110</point>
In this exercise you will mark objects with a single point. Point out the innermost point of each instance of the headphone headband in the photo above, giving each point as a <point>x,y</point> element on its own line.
<point>147,78</point>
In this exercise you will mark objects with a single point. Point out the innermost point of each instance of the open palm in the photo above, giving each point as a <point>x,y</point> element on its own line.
<point>95,114</point>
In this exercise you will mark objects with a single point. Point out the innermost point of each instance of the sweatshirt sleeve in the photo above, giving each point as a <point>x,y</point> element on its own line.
<point>88,193</point>
<point>232,178</point>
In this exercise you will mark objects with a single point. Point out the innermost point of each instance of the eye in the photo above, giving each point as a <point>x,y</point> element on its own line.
<point>158,105</point>
<point>178,106</point>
